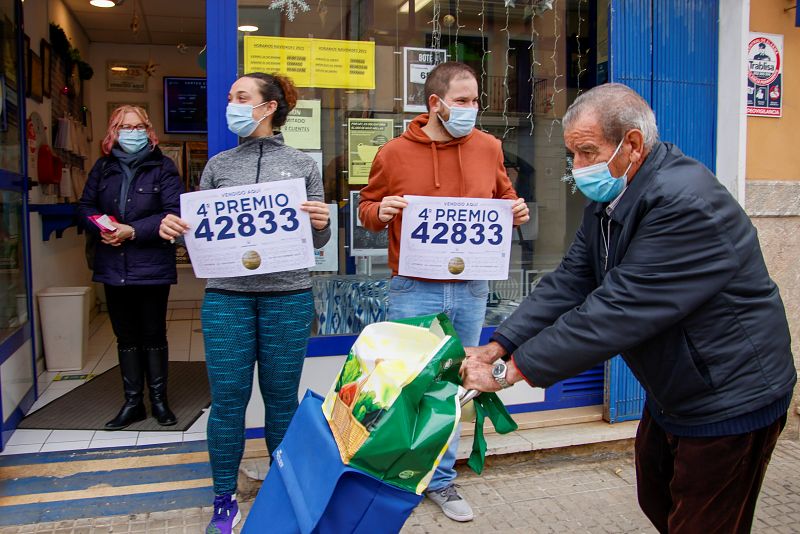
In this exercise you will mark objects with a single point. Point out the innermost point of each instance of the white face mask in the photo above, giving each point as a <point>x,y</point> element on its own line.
<point>240,118</point>
<point>597,182</point>
<point>461,121</point>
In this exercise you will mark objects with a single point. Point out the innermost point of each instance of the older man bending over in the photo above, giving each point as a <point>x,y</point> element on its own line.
<point>665,269</point>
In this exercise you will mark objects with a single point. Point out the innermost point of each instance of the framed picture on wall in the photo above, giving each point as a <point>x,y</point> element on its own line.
<point>126,76</point>
<point>45,51</point>
<point>26,47</point>
<point>174,151</point>
<point>3,120</point>
<point>87,121</point>
<point>8,52</point>
<point>35,67</point>
<point>76,83</point>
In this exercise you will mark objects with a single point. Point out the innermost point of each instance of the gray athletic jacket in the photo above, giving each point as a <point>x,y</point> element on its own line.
<point>265,159</point>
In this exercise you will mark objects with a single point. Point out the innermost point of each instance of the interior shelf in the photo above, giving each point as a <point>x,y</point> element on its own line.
<point>56,218</point>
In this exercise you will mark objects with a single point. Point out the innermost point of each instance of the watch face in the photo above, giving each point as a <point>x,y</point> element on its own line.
<point>499,370</point>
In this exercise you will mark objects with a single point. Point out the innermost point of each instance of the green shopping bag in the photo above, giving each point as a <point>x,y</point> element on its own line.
<point>488,405</point>
<point>394,407</point>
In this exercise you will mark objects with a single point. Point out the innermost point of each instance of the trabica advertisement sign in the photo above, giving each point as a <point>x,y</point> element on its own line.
<point>765,75</point>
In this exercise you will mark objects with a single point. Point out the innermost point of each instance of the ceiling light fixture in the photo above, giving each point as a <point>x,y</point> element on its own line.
<point>119,69</point>
<point>248,28</point>
<point>104,3</point>
<point>418,5</point>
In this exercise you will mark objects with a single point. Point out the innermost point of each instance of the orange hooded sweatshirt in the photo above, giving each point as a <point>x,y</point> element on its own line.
<point>413,164</point>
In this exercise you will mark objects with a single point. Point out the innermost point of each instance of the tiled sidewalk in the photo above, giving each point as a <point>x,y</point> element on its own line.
<point>555,492</point>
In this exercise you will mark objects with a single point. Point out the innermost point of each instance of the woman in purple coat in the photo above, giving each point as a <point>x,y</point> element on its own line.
<point>138,186</point>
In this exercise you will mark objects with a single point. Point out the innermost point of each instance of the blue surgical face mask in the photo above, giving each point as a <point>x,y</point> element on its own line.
<point>596,182</point>
<point>240,118</point>
<point>461,121</point>
<point>132,141</point>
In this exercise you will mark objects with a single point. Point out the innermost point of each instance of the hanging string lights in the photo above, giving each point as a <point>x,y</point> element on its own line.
<point>581,70</point>
<point>458,24</point>
<point>556,75</point>
<point>532,73</point>
<point>498,88</point>
<point>507,68</point>
<point>436,33</point>
<point>484,97</point>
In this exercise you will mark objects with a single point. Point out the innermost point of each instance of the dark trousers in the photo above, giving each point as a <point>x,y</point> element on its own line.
<point>138,315</point>
<point>701,485</point>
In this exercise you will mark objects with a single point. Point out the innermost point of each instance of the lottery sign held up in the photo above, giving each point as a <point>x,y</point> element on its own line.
<point>249,229</point>
<point>447,238</point>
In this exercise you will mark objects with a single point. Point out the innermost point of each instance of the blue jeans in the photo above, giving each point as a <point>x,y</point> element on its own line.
<point>465,305</point>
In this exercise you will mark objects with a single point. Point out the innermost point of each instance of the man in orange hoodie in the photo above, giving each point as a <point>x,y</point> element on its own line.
<point>440,155</point>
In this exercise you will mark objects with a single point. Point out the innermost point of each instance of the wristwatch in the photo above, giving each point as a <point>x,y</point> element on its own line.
<point>499,372</point>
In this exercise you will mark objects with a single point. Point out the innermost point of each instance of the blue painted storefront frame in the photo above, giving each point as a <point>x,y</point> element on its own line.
<point>11,181</point>
<point>666,50</point>
<point>221,59</point>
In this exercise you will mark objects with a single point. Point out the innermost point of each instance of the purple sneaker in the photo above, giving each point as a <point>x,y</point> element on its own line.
<point>226,515</point>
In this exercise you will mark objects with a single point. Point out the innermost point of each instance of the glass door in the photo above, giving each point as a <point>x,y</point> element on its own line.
<point>533,58</point>
<point>17,367</point>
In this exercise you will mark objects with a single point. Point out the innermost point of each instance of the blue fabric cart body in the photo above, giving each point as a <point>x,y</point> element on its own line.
<point>309,490</point>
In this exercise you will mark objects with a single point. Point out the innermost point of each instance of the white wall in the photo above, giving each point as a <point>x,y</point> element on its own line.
<point>57,262</point>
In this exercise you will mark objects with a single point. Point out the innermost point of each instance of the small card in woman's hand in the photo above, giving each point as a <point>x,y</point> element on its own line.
<point>104,222</point>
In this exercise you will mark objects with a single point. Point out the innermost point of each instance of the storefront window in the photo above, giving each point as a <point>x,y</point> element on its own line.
<point>10,149</point>
<point>13,295</point>
<point>532,56</point>
<point>13,291</point>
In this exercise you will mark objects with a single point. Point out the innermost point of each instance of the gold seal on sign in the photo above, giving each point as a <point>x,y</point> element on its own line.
<point>456,265</point>
<point>251,260</point>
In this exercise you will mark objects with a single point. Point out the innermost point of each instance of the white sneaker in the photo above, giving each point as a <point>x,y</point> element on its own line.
<point>255,469</point>
<point>452,503</point>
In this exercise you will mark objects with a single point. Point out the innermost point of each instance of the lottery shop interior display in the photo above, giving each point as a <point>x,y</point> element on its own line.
<point>360,79</point>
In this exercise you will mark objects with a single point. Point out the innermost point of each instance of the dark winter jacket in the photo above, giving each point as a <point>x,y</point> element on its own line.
<point>154,191</point>
<point>685,297</point>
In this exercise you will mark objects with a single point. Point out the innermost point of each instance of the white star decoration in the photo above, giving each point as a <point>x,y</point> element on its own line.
<point>291,7</point>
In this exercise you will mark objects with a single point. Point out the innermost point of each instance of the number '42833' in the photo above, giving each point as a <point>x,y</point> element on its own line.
<point>441,233</point>
<point>246,224</point>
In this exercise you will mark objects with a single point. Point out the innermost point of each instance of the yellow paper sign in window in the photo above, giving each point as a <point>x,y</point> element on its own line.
<point>325,63</point>
<point>279,55</point>
<point>343,64</point>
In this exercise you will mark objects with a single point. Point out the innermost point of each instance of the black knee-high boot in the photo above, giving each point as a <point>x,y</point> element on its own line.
<point>132,366</point>
<point>157,366</point>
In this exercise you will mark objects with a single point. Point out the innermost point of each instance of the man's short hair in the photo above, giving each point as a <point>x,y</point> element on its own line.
<point>618,109</point>
<point>438,80</point>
